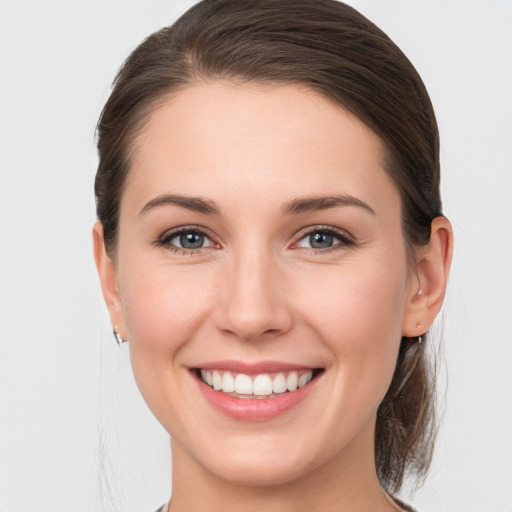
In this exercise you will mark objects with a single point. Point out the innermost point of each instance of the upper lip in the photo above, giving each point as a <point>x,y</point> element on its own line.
<point>252,368</point>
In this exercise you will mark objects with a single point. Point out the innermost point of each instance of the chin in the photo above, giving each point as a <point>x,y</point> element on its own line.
<point>257,471</point>
<point>261,459</point>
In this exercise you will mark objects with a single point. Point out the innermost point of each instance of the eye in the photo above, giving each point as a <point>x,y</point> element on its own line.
<point>186,240</point>
<point>323,238</point>
<point>189,240</point>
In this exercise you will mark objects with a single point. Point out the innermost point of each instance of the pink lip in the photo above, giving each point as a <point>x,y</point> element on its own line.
<point>252,368</point>
<point>254,409</point>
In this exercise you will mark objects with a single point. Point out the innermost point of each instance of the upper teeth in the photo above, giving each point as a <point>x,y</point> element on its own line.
<point>263,384</point>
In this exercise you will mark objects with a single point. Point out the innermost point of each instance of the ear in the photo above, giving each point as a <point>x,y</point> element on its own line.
<point>108,280</point>
<point>428,286</point>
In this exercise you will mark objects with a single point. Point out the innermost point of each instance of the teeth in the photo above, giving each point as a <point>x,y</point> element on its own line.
<point>279,383</point>
<point>291,381</point>
<point>228,383</point>
<point>216,380</point>
<point>304,379</point>
<point>261,385</point>
<point>243,385</point>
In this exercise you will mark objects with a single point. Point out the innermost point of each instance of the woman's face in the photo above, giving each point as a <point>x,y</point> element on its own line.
<point>260,245</point>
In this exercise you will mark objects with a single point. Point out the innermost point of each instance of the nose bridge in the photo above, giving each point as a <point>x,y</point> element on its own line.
<point>253,304</point>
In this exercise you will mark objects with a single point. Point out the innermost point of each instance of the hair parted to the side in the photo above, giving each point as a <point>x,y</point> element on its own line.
<point>328,47</point>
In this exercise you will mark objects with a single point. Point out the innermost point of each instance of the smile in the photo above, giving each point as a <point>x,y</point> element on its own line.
<point>258,391</point>
<point>263,385</point>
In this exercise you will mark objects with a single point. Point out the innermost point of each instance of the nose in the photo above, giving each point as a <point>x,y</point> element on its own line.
<point>254,303</point>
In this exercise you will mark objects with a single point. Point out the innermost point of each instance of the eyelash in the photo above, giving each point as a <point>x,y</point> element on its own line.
<point>165,240</point>
<point>344,240</point>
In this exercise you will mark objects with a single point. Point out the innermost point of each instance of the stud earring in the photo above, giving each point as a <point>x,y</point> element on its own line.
<point>117,336</point>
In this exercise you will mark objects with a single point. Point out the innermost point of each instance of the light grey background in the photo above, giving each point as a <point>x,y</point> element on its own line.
<point>68,404</point>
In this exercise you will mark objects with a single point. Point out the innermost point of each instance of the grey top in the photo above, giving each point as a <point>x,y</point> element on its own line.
<point>396,500</point>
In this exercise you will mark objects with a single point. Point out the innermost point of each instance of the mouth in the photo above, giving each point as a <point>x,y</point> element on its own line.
<point>269,385</point>
<point>257,391</point>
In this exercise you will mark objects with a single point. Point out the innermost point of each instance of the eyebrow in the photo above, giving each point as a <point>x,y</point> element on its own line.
<point>316,203</point>
<point>295,207</point>
<point>196,204</point>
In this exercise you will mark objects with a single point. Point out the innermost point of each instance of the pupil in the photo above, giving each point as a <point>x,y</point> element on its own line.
<point>321,240</point>
<point>191,240</point>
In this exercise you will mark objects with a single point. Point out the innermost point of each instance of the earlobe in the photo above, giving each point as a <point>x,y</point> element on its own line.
<point>108,279</point>
<point>429,287</point>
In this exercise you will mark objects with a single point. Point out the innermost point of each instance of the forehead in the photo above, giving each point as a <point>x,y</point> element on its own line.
<point>226,140</point>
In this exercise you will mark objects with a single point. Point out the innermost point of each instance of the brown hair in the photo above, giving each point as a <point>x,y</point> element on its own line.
<point>329,47</point>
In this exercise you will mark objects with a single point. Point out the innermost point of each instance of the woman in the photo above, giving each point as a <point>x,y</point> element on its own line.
<point>271,243</point>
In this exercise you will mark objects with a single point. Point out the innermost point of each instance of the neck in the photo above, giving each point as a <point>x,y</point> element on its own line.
<point>346,482</point>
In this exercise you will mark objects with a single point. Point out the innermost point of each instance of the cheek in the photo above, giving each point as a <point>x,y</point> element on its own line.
<point>164,308</point>
<point>160,301</point>
<point>353,301</point>
<point>358,314</point>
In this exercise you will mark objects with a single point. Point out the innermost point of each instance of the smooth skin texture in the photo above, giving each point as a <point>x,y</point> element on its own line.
<point>253,289</point>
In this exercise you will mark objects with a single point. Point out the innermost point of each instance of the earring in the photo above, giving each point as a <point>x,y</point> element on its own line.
<point>117,336</point>
<point>420,337</point>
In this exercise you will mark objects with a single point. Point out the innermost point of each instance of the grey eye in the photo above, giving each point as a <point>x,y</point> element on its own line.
<point>189,240</point>
<point>324,239</point>
<point>320,240</point>
<point>186,241</point>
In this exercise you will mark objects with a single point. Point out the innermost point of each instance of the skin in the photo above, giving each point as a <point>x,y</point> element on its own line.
<point>258,291</point>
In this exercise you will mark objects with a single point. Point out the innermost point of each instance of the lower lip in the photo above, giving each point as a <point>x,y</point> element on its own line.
<point>255,409</point>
